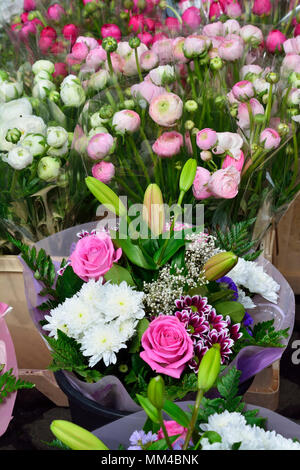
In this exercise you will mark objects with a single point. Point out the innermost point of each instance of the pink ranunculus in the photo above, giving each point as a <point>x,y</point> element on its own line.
<point>224,183</point>
<point>215,11</point>
<point>291,63</point>
<point>173,429</point>
<point>297,30</point>
<point>243,90</point>
<point>126,121</point>
<point>252,34</point>
<point>251,68</point>
<point>103,171</point>
<point>149,60</point>
<point>111,29</point>
<point>167,346</point>
<point>95,57</point>
<point>24,17</point>
<point>178,54</point>
<point>146,38</point>
<point>173,24</point>
<point>136,23</point>
<point>191,18</point>
<point>231,49</point>
<point>29,5</point>
<point>100,146</point>
<point>149,24</point>
<point>262,7</point>
<point>94,256</point>
<point>166,109</point>
<point>194,46</point>
<point>200,188</point>
<point>70,32</point>
<point>206,139</point>
<point>238,164</point>
<point>80,51</point>
<point>27,29</point>
<point>270,139</point>
<point>57,48</point>
<point>164,50</point>
<point>243,112</point>
<point>56,12</point>
<point>232,27</point>
<point>214,29</point>
<point>91,43</point>
<point>275,40</point>
<point>233,10</point>
<point>292,46</point>
<point>168,144</point>
<point>146,90</point>
<point>60,69</point>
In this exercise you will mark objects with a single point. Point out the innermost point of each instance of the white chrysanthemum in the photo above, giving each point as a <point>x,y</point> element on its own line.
<point>245,300</point>
<point>252,276</point>
<point>224,420</point>
<point>102,342</point>
<point>122,302</point>
<point>127,329</point>
<point>81,316</point>
<point>58,320</point>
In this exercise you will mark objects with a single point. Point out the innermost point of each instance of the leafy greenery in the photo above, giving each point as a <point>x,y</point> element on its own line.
<point>228,386</point>
<point>237,239</point>
<point>66,355</point>
<point>9,383</point>
<point>264,334</point>
<point>57,444</point>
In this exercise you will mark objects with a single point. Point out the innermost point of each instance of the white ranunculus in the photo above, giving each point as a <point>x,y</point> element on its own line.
<point>70,80</point>
<point>19,157</point>
<point>162,75</point>
<point>229,141</point>
<point>56,136</point>
<point>14,109</point>
<point>36,143</point>
<point>98,80</point>
<point>45,65</point>
<point>261,86</point>
<point>97,130</point>
<point>96,120</point>
<point>72,95</point>
<point>48,168</point>
<point>42,75</point>
<point>10,91</point>
<point>26,125</point>
<point>41,88</point>
<point>59,152</point>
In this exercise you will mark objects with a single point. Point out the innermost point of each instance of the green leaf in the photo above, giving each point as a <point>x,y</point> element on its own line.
<point>235,310</point>
<point>68,284</point>
<point>212,436</point>
<point>141,328</point>
<point>150,410</point>
<point>172,247</point>
<point>106,196</point>
<point>118,274</point>
<point>9,384</point>
<point>135,254</point>
<point>162,444</point>
<point>236,446</point>
<point>176,413</point>
<point>228,385</point>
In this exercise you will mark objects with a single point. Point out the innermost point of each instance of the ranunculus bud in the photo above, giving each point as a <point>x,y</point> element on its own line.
<point>99,80</point>
<point>275,40</point>
<point>153,209</point>
<point>71,92</point>
<point>156,392</point>
<point>191,17</point>
<point>29,5</point>
<point>110,44</point>
<point>206,139</point>
<point>48,168</point>
<point>106,111</point>
<point>191,106</point>
<point>36,143</point>
<point>216,63</point>
<point>55,12</point>
<point>103,171</point>
<point>243,90</point>
<point>219,265</point>
<point>13,135</point>
<point>56,136</point>
<point>262,7</point>
<point>70,32</point>
<point>270,139</point>
<point>111,30</point>
<point>209,368</point>
<point>100,146</point>
<point>162,75</point>
<point>42,88</point>
<point>126,121</point>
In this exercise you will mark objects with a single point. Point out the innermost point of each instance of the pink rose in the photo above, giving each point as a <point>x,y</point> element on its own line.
<point>173,429</point>
<point>168,144</point>
<point>224,183</point>
<point>168,346</point>
<point>94,256</point>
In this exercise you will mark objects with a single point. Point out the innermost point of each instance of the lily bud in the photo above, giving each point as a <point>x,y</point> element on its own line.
<point>106,196</point>
<point>219,265</point>
<point>209,368</point>
<point>188,174</point>
<point>156,392</point>
<point>153,209</point>
<point>76,437</point>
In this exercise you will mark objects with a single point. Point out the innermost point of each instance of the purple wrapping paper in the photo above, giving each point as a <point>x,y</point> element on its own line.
<point>118,432</point>
<point>109,391</point>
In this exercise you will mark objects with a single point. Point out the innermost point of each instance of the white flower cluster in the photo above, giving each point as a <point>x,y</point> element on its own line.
<point>100,317</point>
<point>250,275</point>
<point>233,429</point>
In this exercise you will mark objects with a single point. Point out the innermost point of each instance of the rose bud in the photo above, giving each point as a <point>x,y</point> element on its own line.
<point>219,265</point>
<point>209,368</point>
<point>153,209</point>
<point>270,139</point>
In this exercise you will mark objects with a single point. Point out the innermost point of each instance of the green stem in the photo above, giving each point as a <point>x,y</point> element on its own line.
<point>192,83</point>
<point>138,158</point>
<point>114,77</point>
<point>163,427</point>
<point>269,105</point>
<point>296,159</point>
<point>127,188</point>
<point>138,65</point>
<point>291,18</point>
<point>175,13</point>
<point>193,420</point>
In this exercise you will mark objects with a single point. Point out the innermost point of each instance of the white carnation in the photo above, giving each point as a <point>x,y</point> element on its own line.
<point>245,300</point>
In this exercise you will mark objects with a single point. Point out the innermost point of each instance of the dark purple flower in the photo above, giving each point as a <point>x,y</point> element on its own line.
<point>248,321</point>
<point>229,284</point>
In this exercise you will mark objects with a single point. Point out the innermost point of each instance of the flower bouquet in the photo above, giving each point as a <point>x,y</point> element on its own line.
<point>225,423</point>
<point>148,294</point>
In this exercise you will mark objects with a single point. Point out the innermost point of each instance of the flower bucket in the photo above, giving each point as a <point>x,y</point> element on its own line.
<point>118,432</point>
